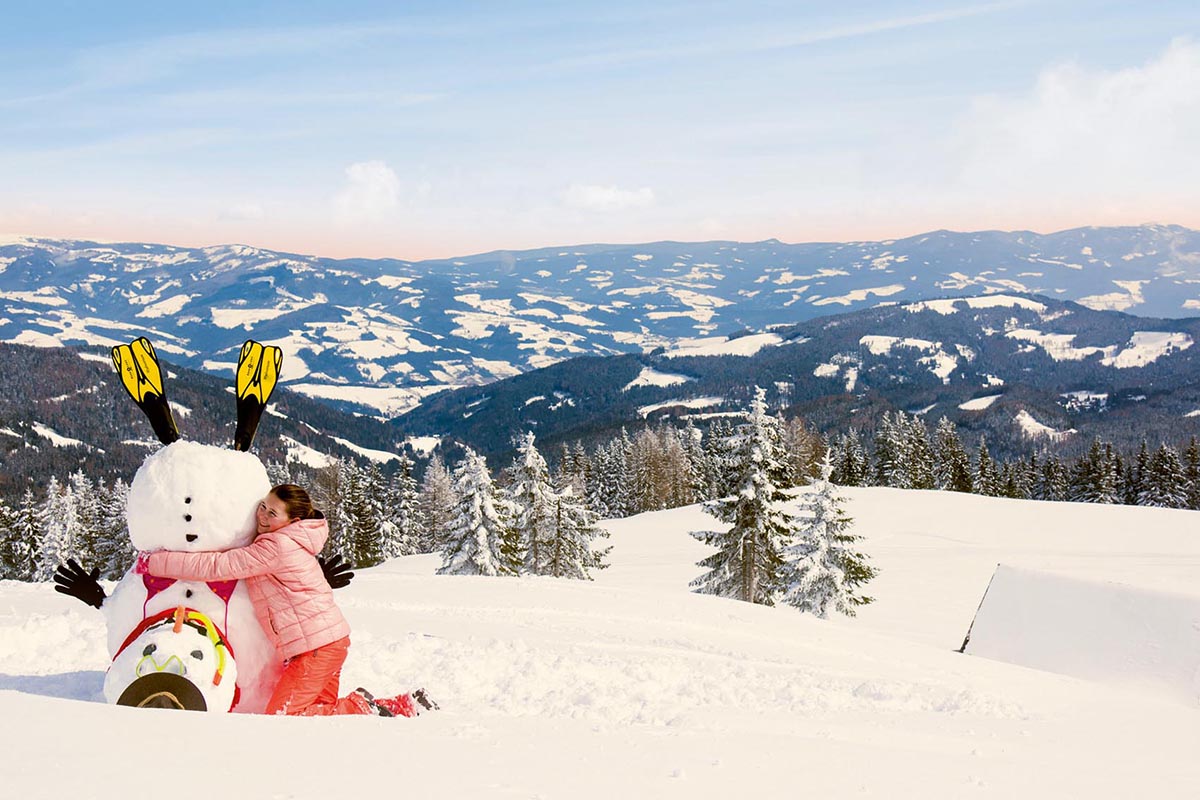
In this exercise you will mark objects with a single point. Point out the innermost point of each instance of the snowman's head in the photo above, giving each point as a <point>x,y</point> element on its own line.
<point>190,496</point>
<point>180,653</point>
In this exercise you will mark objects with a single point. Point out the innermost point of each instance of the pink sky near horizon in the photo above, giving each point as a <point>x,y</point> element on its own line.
<point>378,244</point>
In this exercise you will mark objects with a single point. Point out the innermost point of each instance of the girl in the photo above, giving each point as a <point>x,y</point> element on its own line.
<point>294,605</point>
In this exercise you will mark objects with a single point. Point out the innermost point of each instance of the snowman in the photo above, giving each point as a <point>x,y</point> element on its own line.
<point>189,644</point>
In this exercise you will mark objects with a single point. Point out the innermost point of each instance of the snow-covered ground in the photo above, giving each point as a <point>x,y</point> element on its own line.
<point>631,686</point>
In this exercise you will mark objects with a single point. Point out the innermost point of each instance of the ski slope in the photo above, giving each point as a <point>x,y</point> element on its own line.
<point>632,686</point>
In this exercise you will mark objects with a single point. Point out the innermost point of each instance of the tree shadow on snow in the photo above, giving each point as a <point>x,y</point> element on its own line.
<point>85,685</point>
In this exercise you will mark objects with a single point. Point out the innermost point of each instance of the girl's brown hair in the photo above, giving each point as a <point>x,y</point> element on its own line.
<point>297,501</point>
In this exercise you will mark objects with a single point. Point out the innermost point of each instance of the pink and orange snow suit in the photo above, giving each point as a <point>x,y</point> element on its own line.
<point>294,605</point>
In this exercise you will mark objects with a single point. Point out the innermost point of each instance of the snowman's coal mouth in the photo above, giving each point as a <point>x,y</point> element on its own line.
<point>191,537</point>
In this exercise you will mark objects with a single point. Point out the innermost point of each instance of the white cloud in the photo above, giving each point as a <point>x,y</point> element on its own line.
<point>372,192</point>
<point>243,212</point>
<point>1114,136</point>
<point>606,198</point>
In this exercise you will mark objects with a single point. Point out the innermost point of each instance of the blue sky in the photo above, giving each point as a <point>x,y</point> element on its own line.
<point>419,130</point>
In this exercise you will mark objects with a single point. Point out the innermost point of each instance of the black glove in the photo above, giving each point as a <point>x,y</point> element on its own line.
<point>337,572</point>
<point>71,579</point>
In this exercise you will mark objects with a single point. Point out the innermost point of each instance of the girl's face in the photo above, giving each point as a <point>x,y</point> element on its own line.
<point>272,514</point>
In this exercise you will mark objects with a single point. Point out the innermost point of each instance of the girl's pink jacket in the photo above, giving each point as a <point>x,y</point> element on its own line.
<point>291,598</point>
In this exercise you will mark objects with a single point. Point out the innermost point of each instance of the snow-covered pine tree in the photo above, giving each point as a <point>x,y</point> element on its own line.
<point>623,503</point>
<point>1106,473</point>
<point>87,499</point>
<point>1164,484</point>
<point>823,571</point>
<point>437,505</point>
<point>115,553</point>
<point>1082,475</point>
<point>918,459</point>
<point>692,442</point>
<point>560,470</point>
<point>851,466</point>
<point>279,473</point>
<point>477,542</point>
<point>572,468</point>
<point>951,463</point>
<point>749,559</point>
<point>1012,480</point>
<point>379,526</point>
<point>26,543</point>
<point>573,553</point>
<point>719,455</point>
<point>580,470</point>
<point>986,479</point>
<point>402,524</point>
<point>59,525</point>
<point>600,492</point>
<point>534,502</point>
<point>891,456</point>
<point>1136,486</point>
<point>609,489</point>
<point>367,495</point>
<point>1126,493</point>
<point>335,484</point>
<point>7,543</point>
<point>347,512</point>
<point>1052,481</point>
<point>1191,473</point>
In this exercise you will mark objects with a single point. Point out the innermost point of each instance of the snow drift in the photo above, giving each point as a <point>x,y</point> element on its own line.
<point>1102,631</point>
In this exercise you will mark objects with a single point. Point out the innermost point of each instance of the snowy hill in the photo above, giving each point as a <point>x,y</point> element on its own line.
<point>380,335</point>
<point>1025,370</point>
<point>632,686</point>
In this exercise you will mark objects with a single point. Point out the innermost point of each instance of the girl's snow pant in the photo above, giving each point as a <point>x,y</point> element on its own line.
<point>309,685</point>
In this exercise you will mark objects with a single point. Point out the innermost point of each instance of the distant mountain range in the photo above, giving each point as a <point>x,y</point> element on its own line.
<point>1026,371</point>
<point>378,336</point>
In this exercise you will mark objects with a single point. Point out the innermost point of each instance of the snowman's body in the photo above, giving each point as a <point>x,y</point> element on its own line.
<point>194,497</point>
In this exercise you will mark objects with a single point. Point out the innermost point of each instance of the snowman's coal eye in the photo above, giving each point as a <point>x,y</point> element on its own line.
<point>196,654</point>
<point>150,648</point>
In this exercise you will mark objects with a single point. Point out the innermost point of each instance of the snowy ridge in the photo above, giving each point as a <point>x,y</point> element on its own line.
<point>1034,429</point>
<point>980,403</point>
<point>951,306</point>
<point>695,402</point>
<point>723,346</point>
<point>652,377</point>
<point>939,362</point>
<point>1144,347</point>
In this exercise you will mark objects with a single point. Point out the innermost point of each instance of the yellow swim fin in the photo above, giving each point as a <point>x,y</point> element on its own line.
<point>258,371</point>
<point>137,364</point>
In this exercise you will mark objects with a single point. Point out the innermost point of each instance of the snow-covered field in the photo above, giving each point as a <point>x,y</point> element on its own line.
<point>631,686</point>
